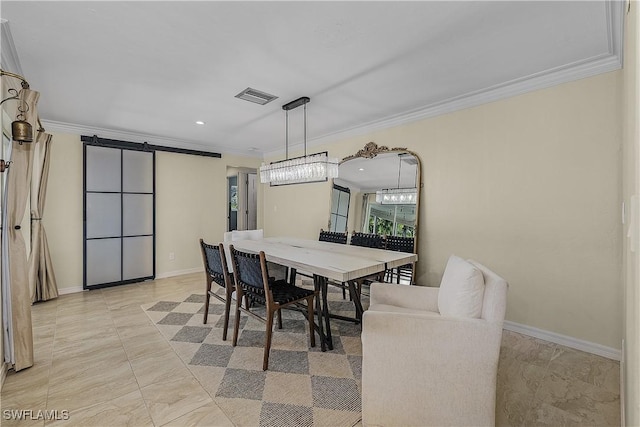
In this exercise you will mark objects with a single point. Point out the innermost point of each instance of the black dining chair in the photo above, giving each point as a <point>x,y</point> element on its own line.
<point>252,281</point>
<point>367,240</point>
<point>400,244</point>
<point>215,269</point>
<point>332,237</point>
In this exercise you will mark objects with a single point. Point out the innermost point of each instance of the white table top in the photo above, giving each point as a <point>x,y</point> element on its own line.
<point>331,260</point>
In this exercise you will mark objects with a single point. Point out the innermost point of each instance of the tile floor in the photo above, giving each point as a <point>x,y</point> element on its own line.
<point>98,356</point>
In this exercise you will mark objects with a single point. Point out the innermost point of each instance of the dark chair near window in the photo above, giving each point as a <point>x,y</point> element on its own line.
<point>367,240</point>
<point>215,269</point>
<point>400,244</point>
<point>252,281</point>
<point>333,237</point>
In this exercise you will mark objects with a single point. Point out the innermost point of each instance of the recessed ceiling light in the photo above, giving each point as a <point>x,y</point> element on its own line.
<point>361,169</point>
<point>199,122</point>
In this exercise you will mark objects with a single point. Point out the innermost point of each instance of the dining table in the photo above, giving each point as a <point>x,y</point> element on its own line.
<point>327,261</point>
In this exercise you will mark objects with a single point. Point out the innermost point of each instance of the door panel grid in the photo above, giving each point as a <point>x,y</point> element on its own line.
<point>119,215</point>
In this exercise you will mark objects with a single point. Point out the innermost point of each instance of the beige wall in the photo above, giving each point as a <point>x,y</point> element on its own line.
<point>190,204</point>
<point>529,186</point>
<point>630,188</point>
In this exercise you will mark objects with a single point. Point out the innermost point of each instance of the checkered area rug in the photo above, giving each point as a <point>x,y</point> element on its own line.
<point>302,387</point>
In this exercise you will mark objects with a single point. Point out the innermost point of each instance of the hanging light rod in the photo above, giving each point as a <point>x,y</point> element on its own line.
<point>296,103</point>
<point>25,83</point>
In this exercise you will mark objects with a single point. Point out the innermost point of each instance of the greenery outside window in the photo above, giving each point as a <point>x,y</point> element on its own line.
<point>390,220</point>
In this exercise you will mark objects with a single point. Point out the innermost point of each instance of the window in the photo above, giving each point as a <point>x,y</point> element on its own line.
<point>340,198</point>
<point>390,220</point>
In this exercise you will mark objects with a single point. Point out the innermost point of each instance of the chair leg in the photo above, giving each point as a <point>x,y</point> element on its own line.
<point>280,319</point>
<point>227,309</point>
<point>344,293</point>
<point>206,303</point>
<point>267,343</point>
<point>312,332</point>
<point>237,319</point>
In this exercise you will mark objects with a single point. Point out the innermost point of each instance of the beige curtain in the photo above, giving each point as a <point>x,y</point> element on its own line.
<point>18,180</point>
<point>42,280</point>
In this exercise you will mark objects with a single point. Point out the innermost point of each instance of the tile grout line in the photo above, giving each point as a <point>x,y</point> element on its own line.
<point>53,347</point>
<point>146,406</point>
<point>190,371</point>
<point>556,348</point>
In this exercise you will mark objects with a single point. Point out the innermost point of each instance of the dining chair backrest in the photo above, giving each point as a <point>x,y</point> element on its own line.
<point>237,235</point>
<point>333,237</point>
<point>249,271</point>
<point>400,244</point>
<point>367,240</point>
<point>215,262</point>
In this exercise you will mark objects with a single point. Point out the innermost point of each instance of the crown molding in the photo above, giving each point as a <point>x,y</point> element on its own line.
<point>121,135</point>
<point>8,54</point>
<point>590,67</point>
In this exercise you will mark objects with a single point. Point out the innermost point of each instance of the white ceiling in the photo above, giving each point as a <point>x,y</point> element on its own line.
<point>147,70</point>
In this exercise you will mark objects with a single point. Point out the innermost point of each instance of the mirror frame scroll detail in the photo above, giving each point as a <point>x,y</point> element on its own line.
<point>371,150</point>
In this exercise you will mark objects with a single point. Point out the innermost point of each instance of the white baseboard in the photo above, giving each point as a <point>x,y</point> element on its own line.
<point>567,341</point>
<point>71,290</point>
<point>179,272</point>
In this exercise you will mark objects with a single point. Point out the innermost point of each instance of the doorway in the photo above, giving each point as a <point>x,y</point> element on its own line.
<point>232,203</point>
<point>242,199</point>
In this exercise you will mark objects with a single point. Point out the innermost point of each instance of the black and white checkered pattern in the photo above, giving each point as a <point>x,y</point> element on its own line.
<point>303,385</point>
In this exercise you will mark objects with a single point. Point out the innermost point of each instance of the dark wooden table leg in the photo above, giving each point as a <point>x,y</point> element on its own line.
<point>325,310</point>
<point>317,285</point>
<point>355,296</point>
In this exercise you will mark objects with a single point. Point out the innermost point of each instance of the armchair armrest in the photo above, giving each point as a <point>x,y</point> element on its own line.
<point>413,297</point>
<point>428,370</point>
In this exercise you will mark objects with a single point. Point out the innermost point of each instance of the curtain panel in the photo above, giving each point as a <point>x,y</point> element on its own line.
<point>15,266</point>
<point>42,280</point>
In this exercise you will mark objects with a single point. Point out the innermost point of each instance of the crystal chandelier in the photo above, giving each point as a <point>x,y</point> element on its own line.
<point>397,196</point>
<point>297,170</point>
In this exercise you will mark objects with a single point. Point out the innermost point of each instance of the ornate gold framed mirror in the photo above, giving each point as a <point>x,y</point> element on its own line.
<point>378,192</point>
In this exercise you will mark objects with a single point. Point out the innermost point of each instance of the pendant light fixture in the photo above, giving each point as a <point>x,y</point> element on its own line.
<point>308,168</point>
<point>397,196</point>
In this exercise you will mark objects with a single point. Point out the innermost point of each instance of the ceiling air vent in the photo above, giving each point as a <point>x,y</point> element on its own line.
<point>256,96</point>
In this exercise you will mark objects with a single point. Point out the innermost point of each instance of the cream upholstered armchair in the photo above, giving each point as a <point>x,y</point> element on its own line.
<point>430,355</point>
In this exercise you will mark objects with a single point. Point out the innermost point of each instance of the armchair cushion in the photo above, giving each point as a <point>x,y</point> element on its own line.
<point>416,298</point>
<point>461,289</point>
